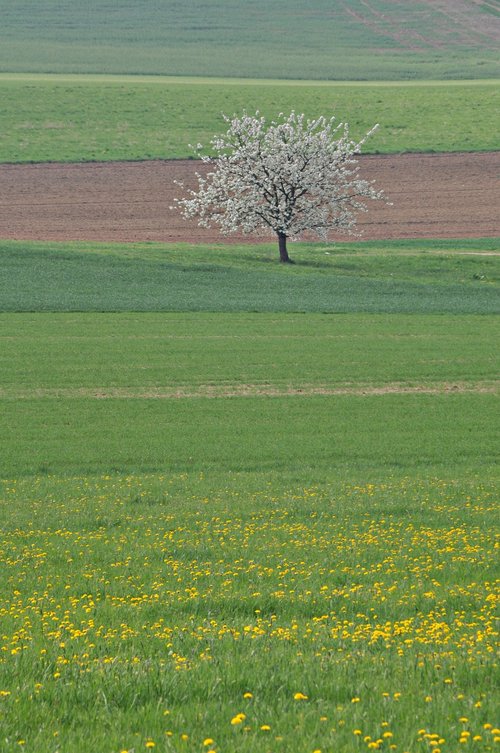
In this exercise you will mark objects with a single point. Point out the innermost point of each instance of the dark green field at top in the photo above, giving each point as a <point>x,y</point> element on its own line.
<point>296,39</point>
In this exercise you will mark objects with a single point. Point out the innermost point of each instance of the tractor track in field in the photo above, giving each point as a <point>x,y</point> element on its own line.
<point>241,389</point>
<point>454,195</point>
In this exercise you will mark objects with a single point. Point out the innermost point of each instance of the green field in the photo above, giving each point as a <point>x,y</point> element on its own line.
<point>420,276</point>
<point>88,118</point>
<point>311,394</point>
<point>248,531</point>
<point>247,507</point>
<point>262,38</point>
<point>187,612</point>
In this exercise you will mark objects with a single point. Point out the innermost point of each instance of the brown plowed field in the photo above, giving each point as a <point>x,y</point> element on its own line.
<point>433,196</point>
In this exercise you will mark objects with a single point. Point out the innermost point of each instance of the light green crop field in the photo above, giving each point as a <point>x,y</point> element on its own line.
<point>244,531</point>
<point>60,118</point>
<point>263,39</point>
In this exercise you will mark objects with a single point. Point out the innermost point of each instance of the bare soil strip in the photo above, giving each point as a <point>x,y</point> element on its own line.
<point>236,389</point>
<point>433,196</point>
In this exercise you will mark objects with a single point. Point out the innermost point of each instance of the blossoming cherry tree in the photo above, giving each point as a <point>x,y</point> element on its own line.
<point>289,176</point>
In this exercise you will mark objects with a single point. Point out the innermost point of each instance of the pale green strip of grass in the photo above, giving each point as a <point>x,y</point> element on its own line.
<point>116,78</point>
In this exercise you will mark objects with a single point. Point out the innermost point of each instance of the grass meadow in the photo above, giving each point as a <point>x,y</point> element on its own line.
<point>376,40</point>
<point>242,525</point>
<point>246,508</point>
<point>248,612</point>
<point>79,118</point>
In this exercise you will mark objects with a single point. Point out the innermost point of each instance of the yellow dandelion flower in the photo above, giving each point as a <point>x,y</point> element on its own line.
<point>247,695</point>
<point>265,727</point>
<point>357,732</point>
<point>208,741</point>
<point>150,744</point>
<point>238,719</point>
<point>355,699</point>
<point>300,697</point>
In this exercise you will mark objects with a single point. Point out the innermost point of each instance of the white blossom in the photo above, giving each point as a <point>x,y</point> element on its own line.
<point>290,176</point>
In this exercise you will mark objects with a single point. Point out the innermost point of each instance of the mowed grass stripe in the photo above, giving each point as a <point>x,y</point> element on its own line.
<point>117,78</point>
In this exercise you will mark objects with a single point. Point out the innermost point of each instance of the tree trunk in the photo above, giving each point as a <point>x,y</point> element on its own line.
<point>284,258</point>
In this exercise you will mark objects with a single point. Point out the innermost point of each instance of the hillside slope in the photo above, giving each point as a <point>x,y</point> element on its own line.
<point>348,39</point>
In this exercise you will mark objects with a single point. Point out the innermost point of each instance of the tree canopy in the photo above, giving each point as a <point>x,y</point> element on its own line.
<point>289,176</point>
